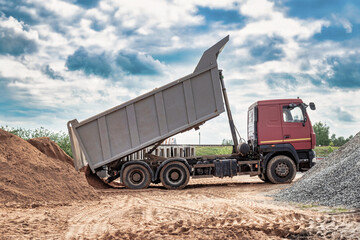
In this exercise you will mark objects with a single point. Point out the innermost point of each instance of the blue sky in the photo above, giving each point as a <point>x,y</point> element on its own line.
<point>66,59</point>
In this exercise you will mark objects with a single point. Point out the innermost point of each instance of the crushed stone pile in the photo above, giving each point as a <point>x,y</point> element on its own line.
<point>30,177</point>
<point>335,181</point>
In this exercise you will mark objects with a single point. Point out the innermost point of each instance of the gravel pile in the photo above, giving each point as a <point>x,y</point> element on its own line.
<point>335,181</point>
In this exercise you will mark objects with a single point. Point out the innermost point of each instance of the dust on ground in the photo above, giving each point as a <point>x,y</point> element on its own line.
<point>237,208</point>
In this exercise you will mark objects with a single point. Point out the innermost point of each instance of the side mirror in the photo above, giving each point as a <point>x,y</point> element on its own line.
<point>312,106</point>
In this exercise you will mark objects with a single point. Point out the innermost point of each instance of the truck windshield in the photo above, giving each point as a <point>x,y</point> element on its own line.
<point>293,114</point>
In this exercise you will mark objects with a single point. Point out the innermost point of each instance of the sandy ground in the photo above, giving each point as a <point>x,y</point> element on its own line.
<point>237,208</point>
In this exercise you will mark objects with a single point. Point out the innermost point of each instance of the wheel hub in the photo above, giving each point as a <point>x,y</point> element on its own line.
<point>282,170</point>
<point>174,176</point>
<point>136,177</point>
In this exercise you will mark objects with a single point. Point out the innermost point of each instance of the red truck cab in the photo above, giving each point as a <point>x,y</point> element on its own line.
<point>282,129</point>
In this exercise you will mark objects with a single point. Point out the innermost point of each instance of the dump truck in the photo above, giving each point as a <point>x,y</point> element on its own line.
<point>280,135</point>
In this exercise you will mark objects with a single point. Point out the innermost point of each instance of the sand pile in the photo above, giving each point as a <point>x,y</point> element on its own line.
<point>50,149</point>
<point>334,181</point>
<point>28,176</point>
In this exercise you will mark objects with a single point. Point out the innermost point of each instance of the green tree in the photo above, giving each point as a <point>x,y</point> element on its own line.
<point>350,137</point>
<point>333,139</point>
<point>322,134</point>
<point>338,142</point>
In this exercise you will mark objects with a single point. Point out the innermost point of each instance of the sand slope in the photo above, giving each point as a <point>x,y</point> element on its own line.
<point>28,176</point>
<point>51,149</point>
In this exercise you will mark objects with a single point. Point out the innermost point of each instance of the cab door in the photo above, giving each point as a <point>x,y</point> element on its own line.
<point>296,130</point>
<point>269,124</point>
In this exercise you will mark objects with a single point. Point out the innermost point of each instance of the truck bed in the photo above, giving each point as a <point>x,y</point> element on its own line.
<point>151,118</point>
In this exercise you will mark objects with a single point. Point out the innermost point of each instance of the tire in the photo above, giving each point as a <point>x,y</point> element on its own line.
<point>174,175</point>
<point>281,169</point>
<point>136,176</point>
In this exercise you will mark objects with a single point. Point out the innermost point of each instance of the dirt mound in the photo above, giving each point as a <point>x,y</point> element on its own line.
<point>97,183</point>
<point>94,181</point>
<point>27,176</point>
<point>334,181</point>
<point>50,149</point>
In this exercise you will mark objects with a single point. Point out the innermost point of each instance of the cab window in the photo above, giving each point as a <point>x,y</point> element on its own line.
<point>293,114</point>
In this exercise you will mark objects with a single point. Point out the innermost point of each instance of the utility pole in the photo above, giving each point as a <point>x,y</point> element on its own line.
<point>199,137</point>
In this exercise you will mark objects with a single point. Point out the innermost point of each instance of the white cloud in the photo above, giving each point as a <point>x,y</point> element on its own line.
<point>17,27</point>
<point>224,4</point>
<point>345,23</point>
<point>257,8</point>
<point>21,70</point>
<point>161,26</point>
<point>146,16</point>
<point>280,25</point>
<point>60,8</point>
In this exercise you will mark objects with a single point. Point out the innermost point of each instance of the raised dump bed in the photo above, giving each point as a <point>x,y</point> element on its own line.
<point>149,119</point>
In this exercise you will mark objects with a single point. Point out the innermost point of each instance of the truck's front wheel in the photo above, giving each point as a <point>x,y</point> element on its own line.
<point>136,176</point>
<point>174,175</point>
<point>281,169</point>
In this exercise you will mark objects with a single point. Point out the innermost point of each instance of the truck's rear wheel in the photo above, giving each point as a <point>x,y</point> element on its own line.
<point>136,176</point>
<point>174,175</point>
<point>281,169</point>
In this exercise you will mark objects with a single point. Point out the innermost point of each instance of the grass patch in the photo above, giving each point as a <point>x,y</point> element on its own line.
<point>308,206</point>
<point>220,150</point>
<point>324,151</point>
<point>339,210</point>
<point>324,209</point>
